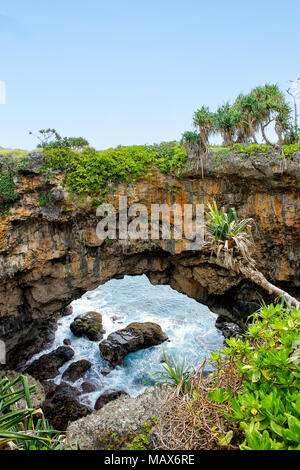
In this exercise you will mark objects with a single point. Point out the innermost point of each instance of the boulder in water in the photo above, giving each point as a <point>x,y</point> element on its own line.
<point>47,366</point>
<point>88,387</point>
<point>76,370</point>
<point>130,339</point>
<point>88,324</point>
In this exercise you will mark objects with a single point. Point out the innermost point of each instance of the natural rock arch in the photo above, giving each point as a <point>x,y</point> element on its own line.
<point>50,255</point>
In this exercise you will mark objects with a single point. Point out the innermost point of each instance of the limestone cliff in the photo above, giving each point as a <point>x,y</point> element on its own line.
<point>50,255</point>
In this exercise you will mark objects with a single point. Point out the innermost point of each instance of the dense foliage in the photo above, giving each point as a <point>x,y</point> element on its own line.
<point>267,405</point>
<point>90,171</point>
<point>251,401</point>
<point>9,165</point>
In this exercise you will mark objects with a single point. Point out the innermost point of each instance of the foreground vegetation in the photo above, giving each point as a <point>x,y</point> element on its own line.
<point>24,428</point>
<point>252,399</point>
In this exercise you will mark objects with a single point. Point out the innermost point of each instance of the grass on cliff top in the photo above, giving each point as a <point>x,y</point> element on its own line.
<point>14,153</point>
<point>253,149</point>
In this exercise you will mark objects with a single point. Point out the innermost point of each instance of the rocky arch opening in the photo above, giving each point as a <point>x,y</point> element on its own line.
<point>188,325</point>
<point>34,299</point>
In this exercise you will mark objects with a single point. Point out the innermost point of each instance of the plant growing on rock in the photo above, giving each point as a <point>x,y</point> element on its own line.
<point>176,372</point>
<point>229,240</point>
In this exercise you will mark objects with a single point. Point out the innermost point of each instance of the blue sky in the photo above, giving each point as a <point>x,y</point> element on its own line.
<point>134,71</point>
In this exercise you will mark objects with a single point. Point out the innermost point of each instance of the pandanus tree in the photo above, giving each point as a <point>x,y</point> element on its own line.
<point>193,145</point>
<point>203,119</point>
<point>271,107</point>
<point>226,120</point>
<point>248,108</point>
<point>230,241</point>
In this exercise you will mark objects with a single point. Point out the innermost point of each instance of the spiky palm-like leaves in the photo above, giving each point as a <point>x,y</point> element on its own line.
<point>23,428</point>
<point>229,240</point>
<point>194,147</point>
<point>226,120</point>
<point>203,119</point>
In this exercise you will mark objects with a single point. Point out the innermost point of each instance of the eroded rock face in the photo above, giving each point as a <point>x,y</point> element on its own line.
<point>114,426</point>
<point>88,324</point>
<point>130,339</point>
<point>51,255</point>
<point>76,370</point>
<point>47,366</point>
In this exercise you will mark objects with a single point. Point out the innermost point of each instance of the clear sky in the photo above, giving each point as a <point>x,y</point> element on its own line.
<point>134,71</point>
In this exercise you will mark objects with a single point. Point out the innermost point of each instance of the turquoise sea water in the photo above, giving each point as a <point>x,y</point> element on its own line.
<point>189,325</point>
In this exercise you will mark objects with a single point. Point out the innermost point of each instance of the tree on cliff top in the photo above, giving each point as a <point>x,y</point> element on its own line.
<point>204,120</point>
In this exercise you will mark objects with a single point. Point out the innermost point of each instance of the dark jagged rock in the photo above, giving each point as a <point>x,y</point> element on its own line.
<point>228,328</point>
<point>47,366</point>
<point>88,324</point>
<point>63,407</point>
<point>130,339</point>
<point>108,396</point>
<point>88,387</point>
<point>76,370</point>
<point>49,386</point>
<point>67,311</point>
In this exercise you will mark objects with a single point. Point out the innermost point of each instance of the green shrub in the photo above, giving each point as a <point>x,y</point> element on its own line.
<point>9,165</point>
<point>89,171</point>
<point>267,405</point>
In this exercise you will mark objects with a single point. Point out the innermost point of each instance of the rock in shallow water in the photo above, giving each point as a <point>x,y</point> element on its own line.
<point>76,370</point>
<point>88,387</point>
<point>130,339</point>
<point>88,324</point>
<point>47,366</point>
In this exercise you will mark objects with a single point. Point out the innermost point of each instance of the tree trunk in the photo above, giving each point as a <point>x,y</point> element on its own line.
<point>204,140</point>
<point>258,278</point>
<point>262,128</point>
